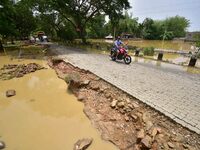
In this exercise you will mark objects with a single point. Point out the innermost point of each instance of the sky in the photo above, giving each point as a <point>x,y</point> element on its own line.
<point>160,9</point>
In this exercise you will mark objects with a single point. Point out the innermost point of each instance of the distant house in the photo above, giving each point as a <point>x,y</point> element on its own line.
<point>109,37</point>
<point>190,36</point>
<point>127,35</point>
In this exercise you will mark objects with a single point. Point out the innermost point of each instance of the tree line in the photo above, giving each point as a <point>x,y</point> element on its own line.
<point>70,19</point>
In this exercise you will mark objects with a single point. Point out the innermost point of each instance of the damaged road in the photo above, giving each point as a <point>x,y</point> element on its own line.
<point>121,118</point>
<point>168,88</point>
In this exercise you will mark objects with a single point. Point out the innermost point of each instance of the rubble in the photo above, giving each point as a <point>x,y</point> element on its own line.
<point>10,93</point>
<point>12,70</point>
<point>122,119</point>
<point>171,145</point>
<point>146,142</point>
<point>2,145</point>
<point>82,144</point>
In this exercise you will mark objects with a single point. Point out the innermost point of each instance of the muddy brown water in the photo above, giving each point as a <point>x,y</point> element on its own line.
<point>43,115</point>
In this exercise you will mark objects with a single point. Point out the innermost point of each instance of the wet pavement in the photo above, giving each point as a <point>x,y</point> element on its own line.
<point>171,89</point>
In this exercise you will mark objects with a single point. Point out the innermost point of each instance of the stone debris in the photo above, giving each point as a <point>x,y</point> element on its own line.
<point>114,103</point>
<point>10,93</point>
<point>12,70</point>
<point>146,142</point>
<point>171,145</point>
<point>135,117</point>
<point>86,82</point>
<point>154,132</point>
<point>186,146</point>
<point>123,120</point>
<point>120,104</point>
<point>148,125</point>
<point>82,144</point>
<point>146,117</point>
<point>140,134</point>
<point>80,97</point>
<point>2,145</point>
<point>127,118</point>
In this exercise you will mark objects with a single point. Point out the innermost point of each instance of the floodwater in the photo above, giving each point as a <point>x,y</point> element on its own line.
<point>166,66</point>
<point>171,45</point>
<point>43,115</point>
<point>174,58</point>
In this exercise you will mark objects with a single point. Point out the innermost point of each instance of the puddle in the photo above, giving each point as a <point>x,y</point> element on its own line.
<point>164,65</point>
<point>43,115</point>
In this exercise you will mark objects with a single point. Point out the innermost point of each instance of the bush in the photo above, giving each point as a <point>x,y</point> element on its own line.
<point>149,51</point>
<point>72,77</point>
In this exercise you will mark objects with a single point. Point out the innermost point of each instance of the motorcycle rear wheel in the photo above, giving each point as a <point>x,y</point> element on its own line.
<point>113,55</point>
<point>127,59</point>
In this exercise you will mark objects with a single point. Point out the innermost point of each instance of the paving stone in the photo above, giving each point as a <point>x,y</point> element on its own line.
<point>166,88</point>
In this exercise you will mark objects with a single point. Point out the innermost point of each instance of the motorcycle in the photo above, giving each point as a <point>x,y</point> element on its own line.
<point>122,55</point>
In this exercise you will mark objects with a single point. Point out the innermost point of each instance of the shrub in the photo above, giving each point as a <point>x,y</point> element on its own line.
<point>149,51</point>
<point>73,76</point>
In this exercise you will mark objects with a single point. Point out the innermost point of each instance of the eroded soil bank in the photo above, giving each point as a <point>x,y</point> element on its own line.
<point>121,118</point>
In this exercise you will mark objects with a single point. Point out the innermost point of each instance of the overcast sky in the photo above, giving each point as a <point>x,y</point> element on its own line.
<point>160,9</point>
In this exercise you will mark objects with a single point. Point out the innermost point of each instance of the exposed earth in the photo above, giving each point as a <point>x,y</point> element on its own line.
<point>121,118</point>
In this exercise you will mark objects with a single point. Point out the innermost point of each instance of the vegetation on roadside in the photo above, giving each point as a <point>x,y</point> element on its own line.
<point>149,51</point>
<point>72,77</point>
<point>197,43</point>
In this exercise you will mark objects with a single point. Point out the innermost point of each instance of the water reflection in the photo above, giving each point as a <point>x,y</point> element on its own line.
<point>164,65</point>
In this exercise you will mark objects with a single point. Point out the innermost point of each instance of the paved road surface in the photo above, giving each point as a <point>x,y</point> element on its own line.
<point>167,88</point>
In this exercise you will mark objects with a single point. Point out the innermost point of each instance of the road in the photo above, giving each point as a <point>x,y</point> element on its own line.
<point>166,87</point>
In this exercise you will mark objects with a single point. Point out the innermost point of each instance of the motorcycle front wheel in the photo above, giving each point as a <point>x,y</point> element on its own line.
<point>127,59</point>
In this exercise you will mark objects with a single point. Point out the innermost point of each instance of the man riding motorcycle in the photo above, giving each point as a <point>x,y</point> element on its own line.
<point>119,52</point>
<point>117,45</point>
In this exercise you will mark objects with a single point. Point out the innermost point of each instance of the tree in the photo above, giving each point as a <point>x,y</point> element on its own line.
<point>177,25</point>
<point>7,26</point>
<point>164,29</point>
<point>128,24</point>
<point>148,29</point>
<point>16,19</point>
<point>95,28</point>
<point>80,12</point>
<point>24,20</point>
<point>47,23</point>
<point>197,40</point>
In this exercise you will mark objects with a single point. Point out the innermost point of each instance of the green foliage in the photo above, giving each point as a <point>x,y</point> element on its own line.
<point>69,19</point>
<point>16,19</point>
<point>24,20</point>
<point>95,28</point>
<point>79,12</point>
<point>167,35</point>
<point>46,23</point>
<point>7,13</point>
<point>177,25</point>
<point>128,24</point>
<point>164,29</point>
<point>72,77</point>
<point>149,51</point>
<point>197,38</point>
<point>149,29</point>
<point>66,33</point>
